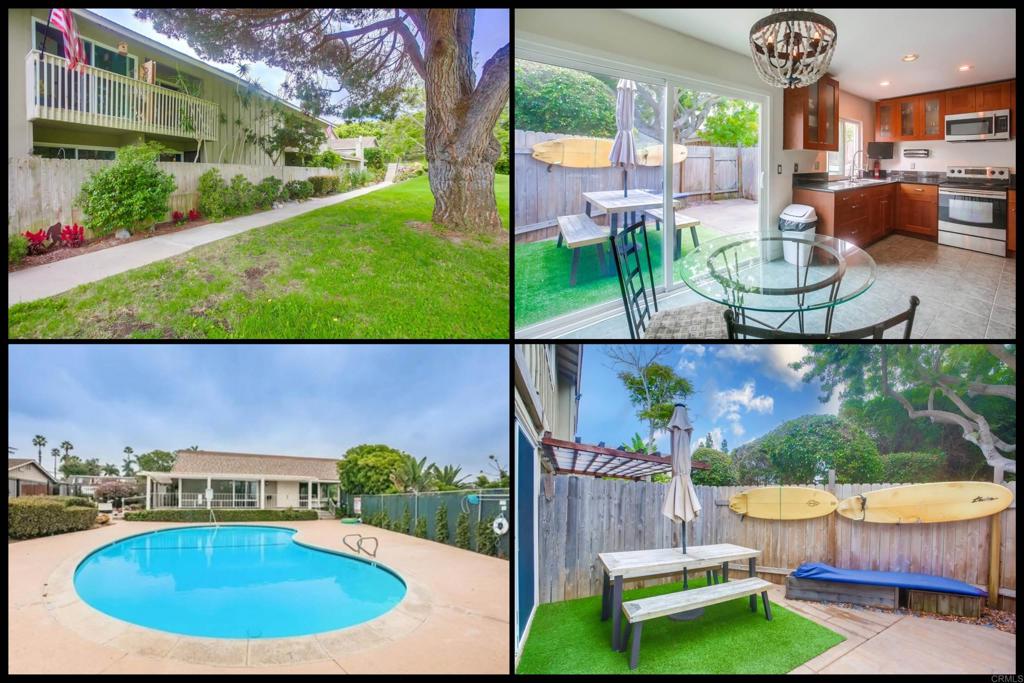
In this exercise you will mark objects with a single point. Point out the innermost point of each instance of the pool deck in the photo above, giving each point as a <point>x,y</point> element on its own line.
<point>454,618</point>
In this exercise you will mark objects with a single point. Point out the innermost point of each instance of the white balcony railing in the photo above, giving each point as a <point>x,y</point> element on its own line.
<point>163,500</point>
<point>100,98</point>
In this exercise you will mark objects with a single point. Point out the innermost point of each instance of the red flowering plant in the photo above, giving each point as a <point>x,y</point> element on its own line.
<point>178,217</point>
<point>193,215</point>
<point>35,241</point>
<point>72,235</point>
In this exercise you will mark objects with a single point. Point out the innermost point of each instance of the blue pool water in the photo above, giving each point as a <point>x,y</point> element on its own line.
<point>233,582</point>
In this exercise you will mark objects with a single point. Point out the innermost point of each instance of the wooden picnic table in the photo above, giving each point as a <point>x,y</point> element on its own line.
<point>614,202</point>
<point>635,564</point>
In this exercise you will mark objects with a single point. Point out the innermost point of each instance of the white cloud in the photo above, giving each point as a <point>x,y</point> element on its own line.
<point>730,401</point>
<point>686,365</point>
<point>773,358</point>
<point>741,353</point>
<point>695,349</point>
<point>737,429</point>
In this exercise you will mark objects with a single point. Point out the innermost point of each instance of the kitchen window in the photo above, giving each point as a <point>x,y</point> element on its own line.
<point>840,164</point>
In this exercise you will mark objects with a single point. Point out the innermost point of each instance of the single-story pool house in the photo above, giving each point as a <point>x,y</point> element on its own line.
<point>244,480</point>
<point>26,477</point>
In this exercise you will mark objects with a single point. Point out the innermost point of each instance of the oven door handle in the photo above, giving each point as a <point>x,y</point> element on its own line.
<point>973,193</point>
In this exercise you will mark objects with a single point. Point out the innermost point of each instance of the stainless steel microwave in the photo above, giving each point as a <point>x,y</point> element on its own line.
<point>980,125</point>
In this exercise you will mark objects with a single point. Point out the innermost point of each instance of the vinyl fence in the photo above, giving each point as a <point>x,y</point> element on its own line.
<point>586,516</point>
<point>427,504</point>
<point>41,191</point>
<point>543,192</point>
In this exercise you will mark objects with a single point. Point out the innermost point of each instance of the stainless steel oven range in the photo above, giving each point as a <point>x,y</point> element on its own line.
<point>972,208</point>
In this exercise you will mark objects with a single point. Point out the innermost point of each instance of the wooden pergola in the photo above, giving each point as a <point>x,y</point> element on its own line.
<point>573,457</point>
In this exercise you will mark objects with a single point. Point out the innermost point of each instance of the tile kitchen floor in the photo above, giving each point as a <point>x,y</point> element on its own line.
<point>964,295</point>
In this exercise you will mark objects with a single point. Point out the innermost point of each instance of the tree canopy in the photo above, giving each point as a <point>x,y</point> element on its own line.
<point>722,472</point>
<point>653,387</point>
<point>802,451</point>
<point>359,62</point>
<point>367,468</point>
<point>971,387</point>
<point>155,461</point>
<point>551,99</point>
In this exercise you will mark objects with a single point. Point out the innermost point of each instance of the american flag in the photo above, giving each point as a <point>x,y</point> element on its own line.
<point>64,21</point>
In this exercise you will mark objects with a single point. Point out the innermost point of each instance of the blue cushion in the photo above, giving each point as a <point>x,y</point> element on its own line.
<point>819,571</point>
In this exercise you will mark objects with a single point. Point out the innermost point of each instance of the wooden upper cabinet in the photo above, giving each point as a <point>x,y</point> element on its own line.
<point>993,96</point>
<point>907,118</point>
<point>961,101</point>
<point>885,121</point>
<point>812,116</point>
<point>931,111</point>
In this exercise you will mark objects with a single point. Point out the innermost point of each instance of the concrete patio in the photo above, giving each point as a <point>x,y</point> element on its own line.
<point>726,216</point>
<point>887,643</point>
<point>454,618</point>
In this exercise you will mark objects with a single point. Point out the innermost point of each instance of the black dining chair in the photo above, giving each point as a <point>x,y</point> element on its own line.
<point>700,321</point>
<point>743,331</point>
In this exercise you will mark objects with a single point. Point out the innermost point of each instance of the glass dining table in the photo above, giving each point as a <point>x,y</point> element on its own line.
<point>747,273</point>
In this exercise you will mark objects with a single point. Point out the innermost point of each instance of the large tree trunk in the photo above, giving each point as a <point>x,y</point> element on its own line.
<point>461,149</point>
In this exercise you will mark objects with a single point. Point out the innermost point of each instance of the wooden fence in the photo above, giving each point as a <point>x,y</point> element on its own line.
<point>586,516</point>
<point>42,191</point>
<point>543,192</point>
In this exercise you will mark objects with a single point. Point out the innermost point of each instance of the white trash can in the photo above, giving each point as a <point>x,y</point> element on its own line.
<point>798,220</point>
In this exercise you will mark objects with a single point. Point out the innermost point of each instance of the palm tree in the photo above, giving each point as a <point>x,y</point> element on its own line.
<point>413,475</point>
<point>67,446</point>
<point>55,452</point>
<point>448,477</point>
<point>39,441</point>
<point>192,448</point>
<point>110,469</point>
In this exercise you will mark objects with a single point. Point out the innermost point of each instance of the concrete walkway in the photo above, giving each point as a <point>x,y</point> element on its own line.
<point>888,643</point>
<point>53,278</point>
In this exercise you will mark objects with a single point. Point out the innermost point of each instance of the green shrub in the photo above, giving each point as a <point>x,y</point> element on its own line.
<point>266,192</point>
<point>374,157</point>
<point>406,524</point>
<point>326,159</point>
<point>357,178</point>
<point>129,194</point>
<point>324,184</point>
<point>46,515</point>
<point>462,531</point>
<point>299,189</point>
<point>241,196</point>
<point>486,540</point>
<point>76,501</point>
<point>212,195</point>
<point>441,524</point>
<point>913,467</point>
<point>421,528</point>
<point>17,248</point>
<point>203,516</point>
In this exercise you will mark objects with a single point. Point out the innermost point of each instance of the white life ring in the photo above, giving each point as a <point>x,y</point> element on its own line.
<point>500,525</point>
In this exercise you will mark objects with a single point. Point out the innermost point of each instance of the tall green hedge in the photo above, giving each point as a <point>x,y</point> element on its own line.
<point>220,515</point>
<point>46,515</point>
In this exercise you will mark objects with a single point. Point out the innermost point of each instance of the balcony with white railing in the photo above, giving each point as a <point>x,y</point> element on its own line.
<point>97,97</point>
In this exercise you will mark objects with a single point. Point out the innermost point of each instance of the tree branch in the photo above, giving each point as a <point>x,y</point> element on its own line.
<point>487,101</point>
<point>1000,352</point>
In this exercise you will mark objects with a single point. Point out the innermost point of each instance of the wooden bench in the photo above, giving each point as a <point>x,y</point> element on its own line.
<point>580,230</point>
<point>682,221</point>
<point>711,572</point>
<point>636,612</point>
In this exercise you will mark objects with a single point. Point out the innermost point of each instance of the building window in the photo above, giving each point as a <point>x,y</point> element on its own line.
<point>177,156</point>
<point>48,151</point>
<point>96,154</point>
<point>841,163</point>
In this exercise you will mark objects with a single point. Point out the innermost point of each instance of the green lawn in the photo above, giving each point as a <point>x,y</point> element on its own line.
<point>542,276</point>
<point>371,267</point>
<point>570,638</point>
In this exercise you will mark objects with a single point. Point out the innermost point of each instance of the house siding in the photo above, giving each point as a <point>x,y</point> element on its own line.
<point>27,472</point>
<point>222,91</point>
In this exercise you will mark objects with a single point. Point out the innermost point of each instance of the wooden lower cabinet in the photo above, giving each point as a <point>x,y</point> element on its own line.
<point>860,216</point>
<point>919,209</point>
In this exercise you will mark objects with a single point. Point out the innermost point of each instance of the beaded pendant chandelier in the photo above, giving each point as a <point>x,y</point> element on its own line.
<point>792,48</point>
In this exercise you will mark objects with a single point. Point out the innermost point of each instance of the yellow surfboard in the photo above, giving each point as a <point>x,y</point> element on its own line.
<point>783,502</point>
<point>652,156</point>
<point>575,152</point>
<point>949,501</point>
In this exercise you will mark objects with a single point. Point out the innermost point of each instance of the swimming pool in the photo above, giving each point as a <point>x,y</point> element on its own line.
<point>233,582</point>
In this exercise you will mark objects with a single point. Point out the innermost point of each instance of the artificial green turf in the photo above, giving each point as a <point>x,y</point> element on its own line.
<point>542,276</point>
<point>370,267</point>
<point>570,638</point>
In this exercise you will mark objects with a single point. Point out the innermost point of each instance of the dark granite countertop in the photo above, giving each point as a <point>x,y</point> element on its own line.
<point>844,185</point>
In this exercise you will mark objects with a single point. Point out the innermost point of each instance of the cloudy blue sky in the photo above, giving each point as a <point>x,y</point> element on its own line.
<point>741,392</point>
<point>449,403</point>
<point>491,32</point>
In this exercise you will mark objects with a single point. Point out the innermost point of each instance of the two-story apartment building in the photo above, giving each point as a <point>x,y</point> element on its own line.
<point>547,393</point>
<point>133,89</point>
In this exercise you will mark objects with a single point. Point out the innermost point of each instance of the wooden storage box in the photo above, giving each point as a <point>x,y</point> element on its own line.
<point>945,603</point>
<point>853,593</point>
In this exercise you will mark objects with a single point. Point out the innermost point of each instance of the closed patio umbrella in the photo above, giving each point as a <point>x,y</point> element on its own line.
<point>681,503</point>
<point>624,148</point>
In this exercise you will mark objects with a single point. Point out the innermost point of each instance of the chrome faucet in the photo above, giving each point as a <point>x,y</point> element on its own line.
<point>853,163</point>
